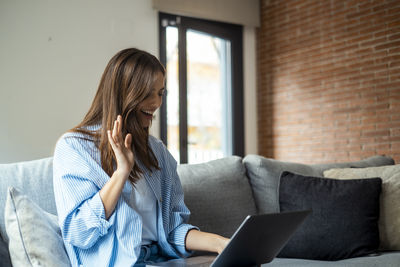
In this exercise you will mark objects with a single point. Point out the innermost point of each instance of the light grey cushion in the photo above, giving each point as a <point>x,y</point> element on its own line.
<point>389,221</point>
<point>35,237</point>
<point>390,259</point>
<point>218,194</point>
<point>35,178</point>
<point>264,175</point>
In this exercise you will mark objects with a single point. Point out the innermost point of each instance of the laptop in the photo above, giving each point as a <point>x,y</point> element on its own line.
<point>257,241</point>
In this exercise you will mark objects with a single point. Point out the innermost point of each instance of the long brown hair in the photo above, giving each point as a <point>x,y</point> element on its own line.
<point>126,81</point>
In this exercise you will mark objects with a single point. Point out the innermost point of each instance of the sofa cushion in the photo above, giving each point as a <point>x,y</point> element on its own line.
<point>34,235</point>
<point>388,259</point>
<point>35,179</point>
<point>389,222</point>
<point>264,175</point>
<point>344,218</point>
<point>218,194</point>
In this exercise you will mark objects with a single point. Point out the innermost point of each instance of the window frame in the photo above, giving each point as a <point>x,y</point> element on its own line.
<point>231,32</point>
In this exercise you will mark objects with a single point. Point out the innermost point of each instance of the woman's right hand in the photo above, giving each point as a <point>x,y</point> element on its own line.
<point>122,148</point>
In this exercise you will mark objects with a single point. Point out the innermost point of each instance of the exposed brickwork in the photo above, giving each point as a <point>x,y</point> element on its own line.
<point>329,80</point>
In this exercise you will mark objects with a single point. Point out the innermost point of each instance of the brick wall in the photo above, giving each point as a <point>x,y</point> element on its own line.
<point>329,80</point>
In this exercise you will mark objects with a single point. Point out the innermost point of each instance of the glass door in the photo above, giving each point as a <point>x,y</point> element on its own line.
<point>208,97</point>
<point>172,96</point>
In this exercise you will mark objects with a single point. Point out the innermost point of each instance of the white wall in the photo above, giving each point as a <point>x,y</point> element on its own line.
<point>51,59</point>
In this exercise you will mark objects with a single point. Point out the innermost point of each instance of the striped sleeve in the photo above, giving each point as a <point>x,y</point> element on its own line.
<point>179,213</point>
<point>77,181</point>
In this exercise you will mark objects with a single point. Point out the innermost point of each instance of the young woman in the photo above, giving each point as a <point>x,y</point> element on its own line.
<point>118,195</point>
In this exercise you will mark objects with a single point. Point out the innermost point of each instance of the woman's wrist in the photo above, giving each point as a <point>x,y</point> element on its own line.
<point>121,174</point>
<point>222,242</point>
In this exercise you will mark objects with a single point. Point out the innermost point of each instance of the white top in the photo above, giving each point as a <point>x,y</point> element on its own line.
<point>144,202</point>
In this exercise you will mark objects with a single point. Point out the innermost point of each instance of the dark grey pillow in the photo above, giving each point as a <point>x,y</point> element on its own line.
<point>344,219</point>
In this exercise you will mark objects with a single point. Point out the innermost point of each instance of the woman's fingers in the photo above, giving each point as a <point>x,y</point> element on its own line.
<point>118,129</point>
<point>121,146</point>
<point>115,131</point>
<point>116,135</point>
<point>128,141</point>
<point>110,139</point>
<point>119,119</point>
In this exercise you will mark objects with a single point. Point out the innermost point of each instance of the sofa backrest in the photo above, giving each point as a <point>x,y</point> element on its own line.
<point>218,194</point>
<point>264,175</point>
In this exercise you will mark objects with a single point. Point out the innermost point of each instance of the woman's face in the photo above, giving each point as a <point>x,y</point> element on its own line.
<point>152,102</point>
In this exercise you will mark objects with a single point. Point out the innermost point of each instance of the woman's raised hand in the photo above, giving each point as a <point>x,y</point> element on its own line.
<point>122,148</point>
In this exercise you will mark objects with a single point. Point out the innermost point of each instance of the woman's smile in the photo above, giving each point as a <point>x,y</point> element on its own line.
<point>148,114</point>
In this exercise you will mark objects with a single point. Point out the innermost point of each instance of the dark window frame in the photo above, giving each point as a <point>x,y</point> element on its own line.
<point>231,32</point>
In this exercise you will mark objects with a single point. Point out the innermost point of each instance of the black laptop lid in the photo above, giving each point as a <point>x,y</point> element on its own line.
<point>260,238</point>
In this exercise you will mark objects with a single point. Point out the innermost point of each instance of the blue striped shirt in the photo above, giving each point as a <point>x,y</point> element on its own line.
<point>90,239</point>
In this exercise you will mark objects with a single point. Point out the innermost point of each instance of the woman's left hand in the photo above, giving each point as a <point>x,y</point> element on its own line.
<point>203,241</point>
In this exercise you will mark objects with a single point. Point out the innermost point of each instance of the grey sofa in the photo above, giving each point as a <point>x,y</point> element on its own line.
<point>219,193</point>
